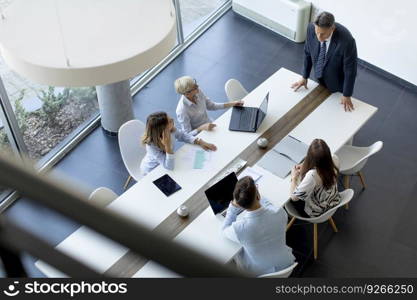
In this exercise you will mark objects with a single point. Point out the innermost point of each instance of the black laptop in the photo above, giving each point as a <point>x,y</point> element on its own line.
<point>248,118</point>
<point>220,194</point>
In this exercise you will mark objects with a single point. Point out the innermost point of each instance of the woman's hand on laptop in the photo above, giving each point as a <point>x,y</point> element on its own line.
<point>234,103</point>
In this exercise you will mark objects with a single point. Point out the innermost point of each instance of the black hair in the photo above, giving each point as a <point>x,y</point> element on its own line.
<point>324,19</point>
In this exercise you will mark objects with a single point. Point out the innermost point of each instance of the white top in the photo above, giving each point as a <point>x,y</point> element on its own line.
<point>155,156</point>
<point>317,199</point>
<point>262,235</point>
<point>192,115</point>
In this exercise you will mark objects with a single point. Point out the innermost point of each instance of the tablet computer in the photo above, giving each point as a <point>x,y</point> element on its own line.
<point>167,185</point>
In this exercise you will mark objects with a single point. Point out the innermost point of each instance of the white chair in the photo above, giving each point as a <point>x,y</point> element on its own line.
<point>285,273</point>
<point>102,196</point>
<point>353,159</point>
<point>131,149</point>
<point>234,90</point>
<point>346,196</point>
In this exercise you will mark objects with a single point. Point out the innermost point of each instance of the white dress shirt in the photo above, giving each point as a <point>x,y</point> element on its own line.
<point>261,232</point>
<point>156,156</point>
<point>192,115</point>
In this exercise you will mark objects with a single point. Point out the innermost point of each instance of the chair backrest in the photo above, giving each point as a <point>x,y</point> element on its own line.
<point>345,196</point>
<point>280,274</point>
<point>234,90</point>
<point>102,196</point>
<point>131,149</point>
<point>367,152</point>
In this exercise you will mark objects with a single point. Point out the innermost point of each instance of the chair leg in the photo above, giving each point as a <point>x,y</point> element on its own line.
<point>127,182</point>
<point>331,221</point>
<point>290,223</point>
<point>315,240</point>
<point>346,182</point>
<point>362,178</point>
<point>346,185</point>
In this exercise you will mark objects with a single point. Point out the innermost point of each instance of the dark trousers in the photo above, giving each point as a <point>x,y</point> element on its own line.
<point>299,207</point>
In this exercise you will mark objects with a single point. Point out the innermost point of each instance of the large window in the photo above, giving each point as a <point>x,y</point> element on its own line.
<point>46,115</point>
<point>195,12</point>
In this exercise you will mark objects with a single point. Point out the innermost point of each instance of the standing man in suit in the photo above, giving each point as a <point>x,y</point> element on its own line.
<point>330,50</point>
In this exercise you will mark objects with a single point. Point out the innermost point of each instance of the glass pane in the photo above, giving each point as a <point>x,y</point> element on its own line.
<point>47,115</point>
<point>195,12</point>
<point>140,75</point>
<point>5,149</point>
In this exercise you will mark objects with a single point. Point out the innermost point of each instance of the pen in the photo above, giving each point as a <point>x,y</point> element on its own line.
<point>294,138</point>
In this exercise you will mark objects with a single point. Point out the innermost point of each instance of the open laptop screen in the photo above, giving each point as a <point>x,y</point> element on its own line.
<point>262,111</point>
<point>221,193</point>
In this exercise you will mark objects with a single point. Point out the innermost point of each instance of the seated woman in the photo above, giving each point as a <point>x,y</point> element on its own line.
<point>314,182</point>
<point>193,105</point>
<point>158,142</point>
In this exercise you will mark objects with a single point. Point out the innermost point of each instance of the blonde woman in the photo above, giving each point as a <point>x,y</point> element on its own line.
<point>158,142</point>
<point>193,105</point>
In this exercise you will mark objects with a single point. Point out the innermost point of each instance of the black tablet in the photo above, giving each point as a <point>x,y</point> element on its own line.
<point>167,185</point>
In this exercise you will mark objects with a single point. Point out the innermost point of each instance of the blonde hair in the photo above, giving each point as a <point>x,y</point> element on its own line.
<point>155,126</point>
<point>184,84</point>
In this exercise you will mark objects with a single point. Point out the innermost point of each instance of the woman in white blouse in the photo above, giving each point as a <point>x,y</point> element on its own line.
<point>314,182</point>
<point>193,105</point>
<point>159,132</point>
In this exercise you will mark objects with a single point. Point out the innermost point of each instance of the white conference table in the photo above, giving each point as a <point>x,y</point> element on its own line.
<point>101,253</point>
<point>329,122</point>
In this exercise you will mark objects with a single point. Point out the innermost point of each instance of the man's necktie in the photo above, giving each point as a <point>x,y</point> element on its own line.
<point>321,60</point>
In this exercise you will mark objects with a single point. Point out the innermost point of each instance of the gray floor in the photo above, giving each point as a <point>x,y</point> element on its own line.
<point>377,235</point>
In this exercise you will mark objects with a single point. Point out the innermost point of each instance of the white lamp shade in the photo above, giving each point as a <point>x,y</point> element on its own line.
<point>86,42</point>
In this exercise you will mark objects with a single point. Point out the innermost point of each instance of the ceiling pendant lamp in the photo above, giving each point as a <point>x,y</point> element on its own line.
<point>85,42</point>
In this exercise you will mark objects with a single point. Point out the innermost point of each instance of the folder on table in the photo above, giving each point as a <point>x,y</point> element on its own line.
<point>284,156</point>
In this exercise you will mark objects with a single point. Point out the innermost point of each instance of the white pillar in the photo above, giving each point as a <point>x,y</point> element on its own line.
<point>115,101</point>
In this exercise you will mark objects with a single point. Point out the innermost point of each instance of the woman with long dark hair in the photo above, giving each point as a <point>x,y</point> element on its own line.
<point>314,182</point>
<point>158,136</point>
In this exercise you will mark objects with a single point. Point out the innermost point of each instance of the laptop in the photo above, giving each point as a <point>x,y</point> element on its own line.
<point>220,194</point>
<point>248,118</point>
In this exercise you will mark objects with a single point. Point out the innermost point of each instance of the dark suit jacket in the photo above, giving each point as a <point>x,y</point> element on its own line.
<point>341,59</point>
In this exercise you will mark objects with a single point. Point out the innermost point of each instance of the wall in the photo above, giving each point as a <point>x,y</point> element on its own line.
<point>385,32</point>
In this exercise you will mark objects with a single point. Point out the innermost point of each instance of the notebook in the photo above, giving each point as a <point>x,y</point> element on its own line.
<point>284,156</point>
